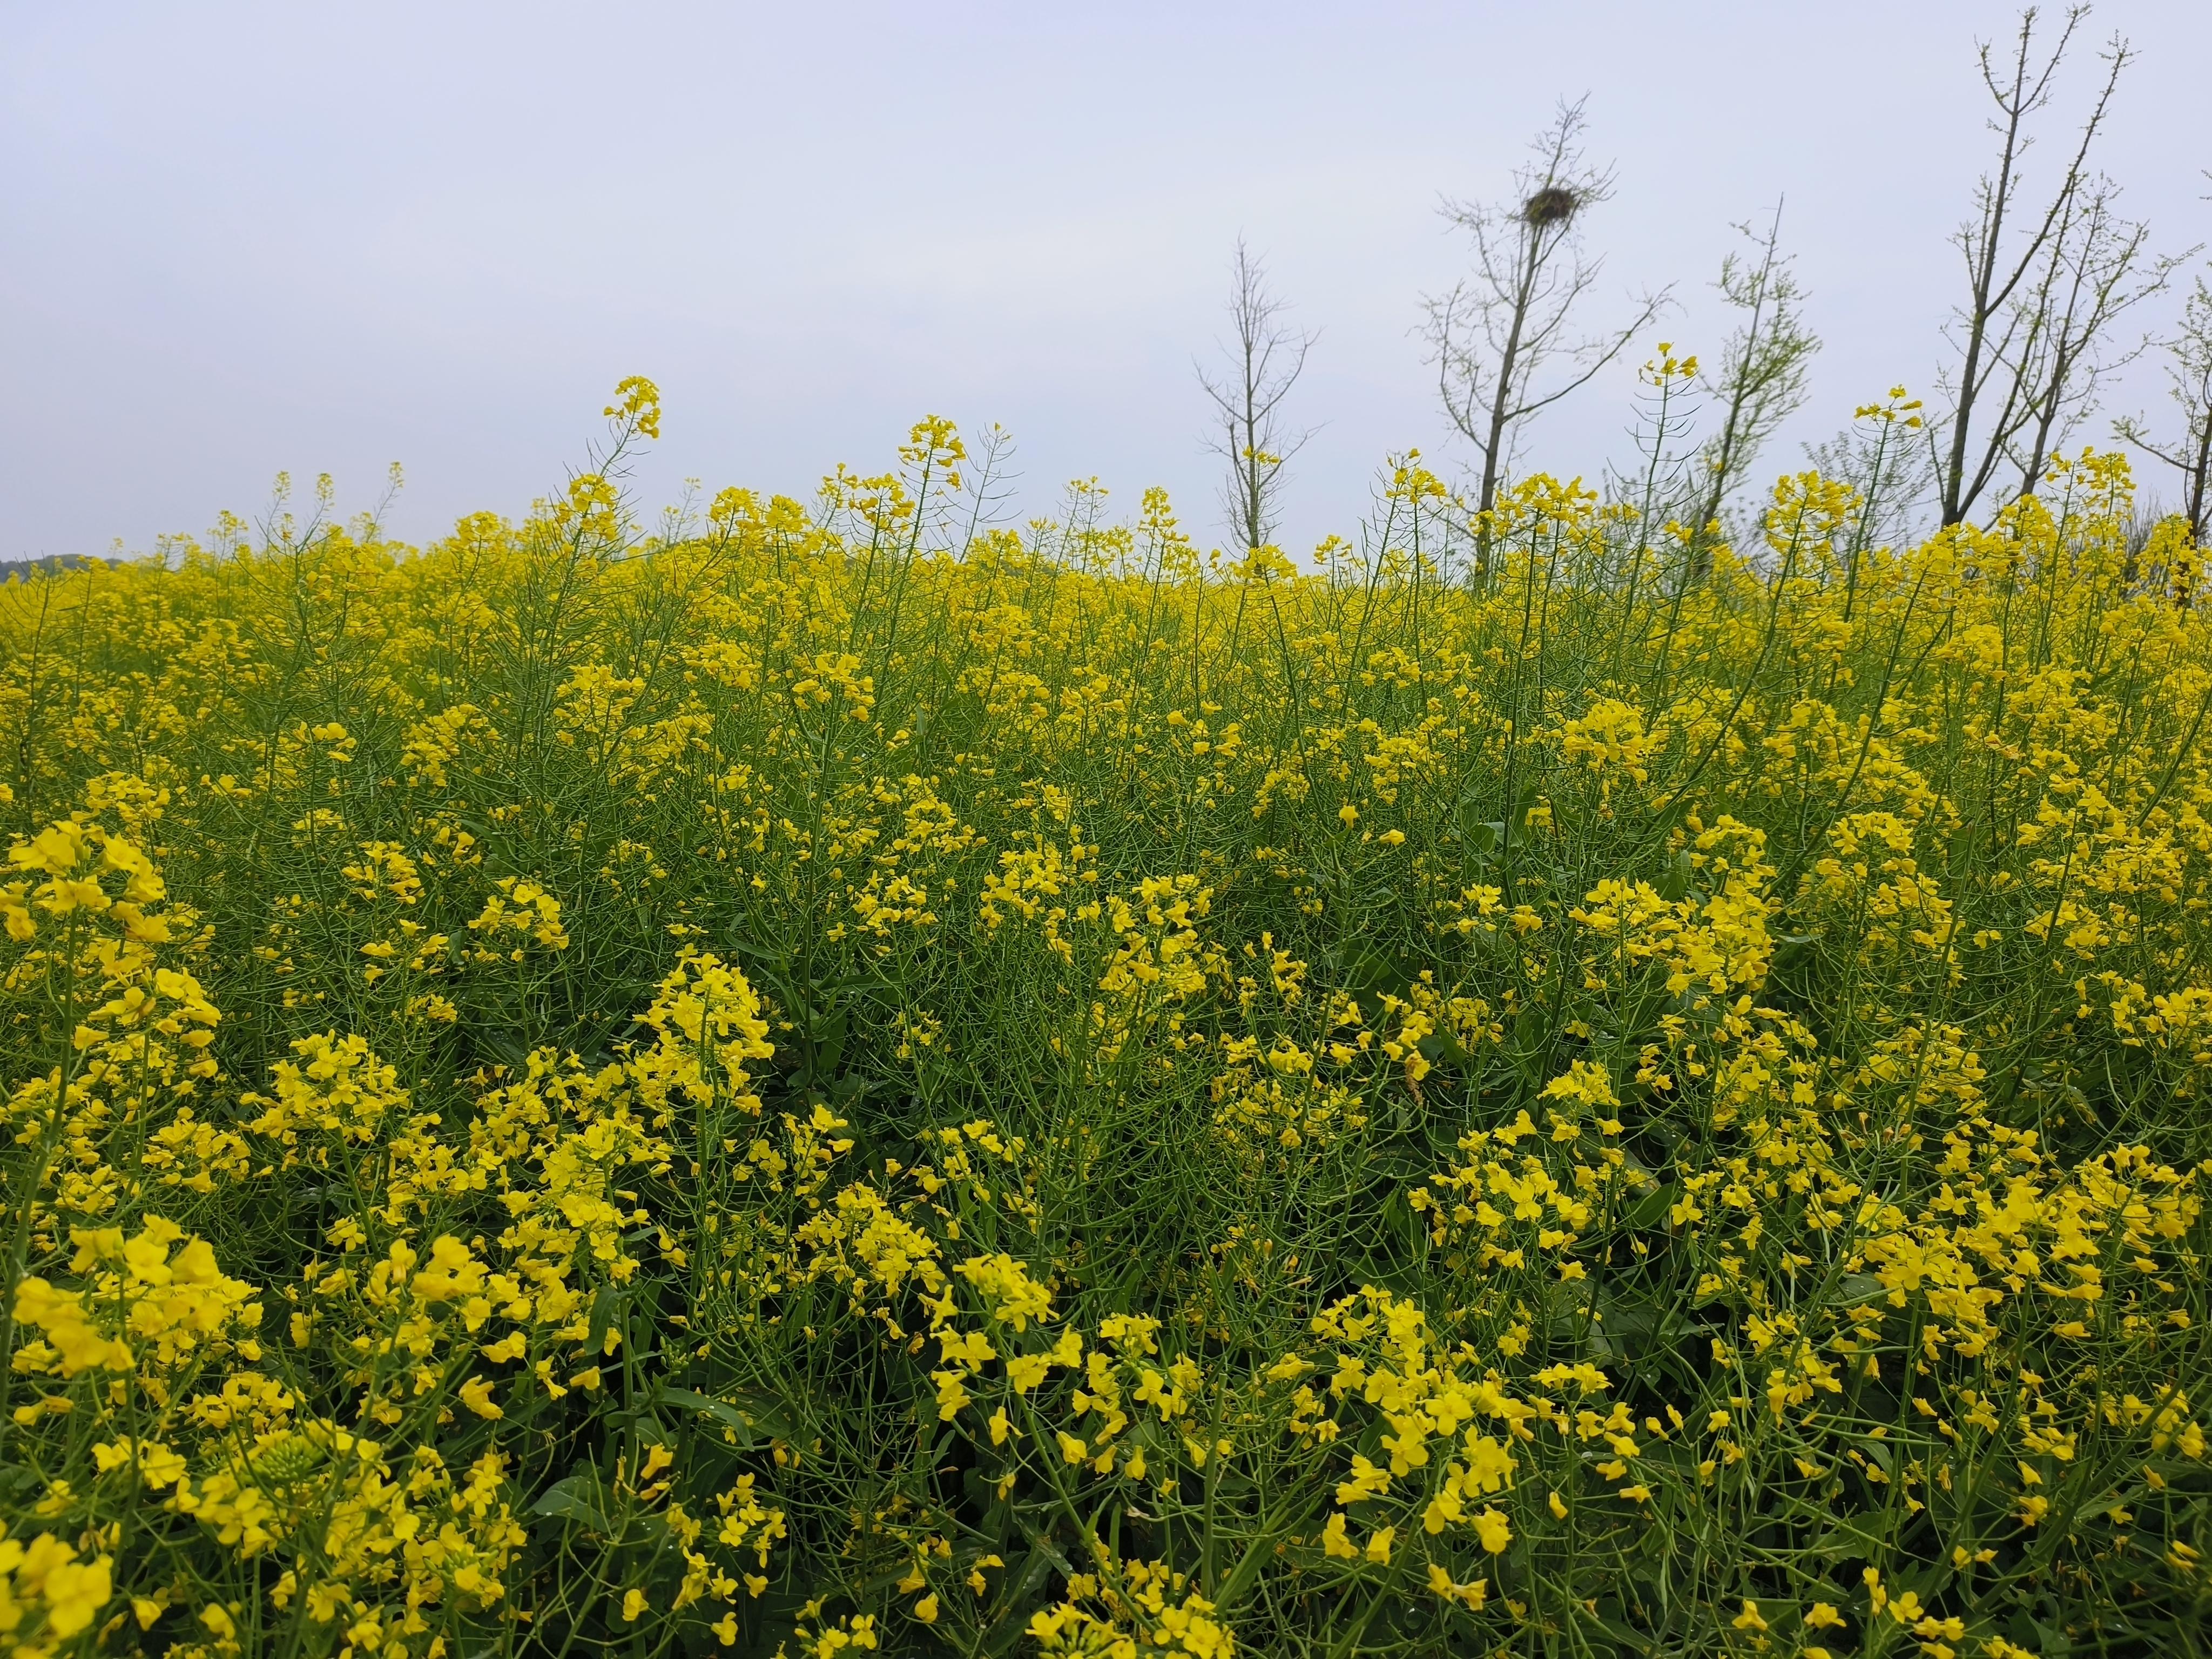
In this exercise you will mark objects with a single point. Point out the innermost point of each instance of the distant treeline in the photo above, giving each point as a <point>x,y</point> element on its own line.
<point>10,569</point>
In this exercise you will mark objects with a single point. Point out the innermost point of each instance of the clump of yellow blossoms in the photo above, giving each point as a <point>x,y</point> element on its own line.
<point>830,1078</point>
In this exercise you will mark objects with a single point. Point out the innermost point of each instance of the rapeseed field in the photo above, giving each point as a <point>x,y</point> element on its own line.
<point>841,1077</point>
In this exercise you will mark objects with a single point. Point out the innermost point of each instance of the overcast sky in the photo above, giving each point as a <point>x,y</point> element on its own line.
<point>236,239</point>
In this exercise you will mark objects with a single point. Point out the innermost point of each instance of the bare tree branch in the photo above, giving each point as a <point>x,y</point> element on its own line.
<point>1494,334</point>
<point>2002,338</point>
<point>2097,271</point>
<point>1765,370</point>
<point>2189,377</point>
<point>1264,359</point>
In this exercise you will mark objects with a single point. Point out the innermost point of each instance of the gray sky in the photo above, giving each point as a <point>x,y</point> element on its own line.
<point>235,239</point>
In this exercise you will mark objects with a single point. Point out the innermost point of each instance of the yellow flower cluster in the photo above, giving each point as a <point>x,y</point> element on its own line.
<point>838,1077</point>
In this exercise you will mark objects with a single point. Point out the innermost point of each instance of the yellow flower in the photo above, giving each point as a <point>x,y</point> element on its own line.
<point>1492,1528</point>
<point>475,1394</point>
<point>74,1591</point>
<point>1469,1596</point>
<point>1333,1541</point>
<point>54,850</point>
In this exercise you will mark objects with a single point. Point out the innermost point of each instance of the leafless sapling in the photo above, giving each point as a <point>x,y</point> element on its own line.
<point>2097,269</point>
<point>1764,372</point>
<point>1265,357</point>
<point>2189,376</point>
<point>1495,334</point>
<point>2001,329</point>
<point>1766,368</point>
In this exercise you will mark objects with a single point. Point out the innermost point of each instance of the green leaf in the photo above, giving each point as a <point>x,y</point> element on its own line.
<point>1651,1210</point>
<point>604,1307</point>
<point>1479,837</point>
<point>574,1499</point>
<point>1443,1048</point>
<point>748,1415</point>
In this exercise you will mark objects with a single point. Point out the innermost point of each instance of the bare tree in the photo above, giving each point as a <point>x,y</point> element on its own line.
<point>1494,334</point>
<point>1764,373</point>
<point>2006,318</point>
<point>1265,357</point>
<point>2096,270</point>
<point>2189,374</point>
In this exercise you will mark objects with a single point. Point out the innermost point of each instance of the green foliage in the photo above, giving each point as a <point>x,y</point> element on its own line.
<point>820,1081</point>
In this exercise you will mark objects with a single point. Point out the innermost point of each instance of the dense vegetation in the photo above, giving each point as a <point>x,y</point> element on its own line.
<point>847,1078</point>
